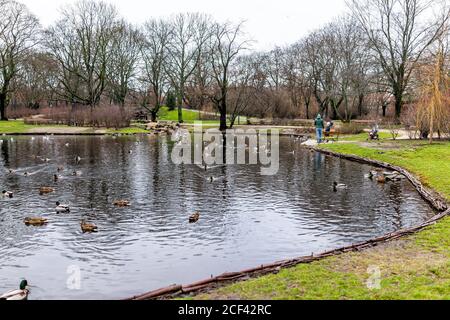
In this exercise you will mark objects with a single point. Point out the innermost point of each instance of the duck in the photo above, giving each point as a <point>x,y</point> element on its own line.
<point>371,175</point>
<point>26,173</point>
<point>381,179</point>
<point>194,218</point>
<point>121,203</point>
<point>337,186</point>
<point>55,177</point>
<point>76,173</point>
<point>62,208</point>
<point>45,190</point>
<point>88,227</point>
<point>60,169</point>
<point>7,194</point>
<point>20,294</point>
<point>78,159</point>
<point>36,222</point>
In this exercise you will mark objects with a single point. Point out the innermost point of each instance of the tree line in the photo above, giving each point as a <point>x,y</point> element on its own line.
<point>360,62</point>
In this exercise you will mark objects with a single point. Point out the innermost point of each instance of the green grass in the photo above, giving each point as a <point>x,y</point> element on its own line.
<point>364,136</point>
<point>18,126</point>
<point>189,116</point>
<point>416,267</point>
<point>15,126</point>
<point>130,130</point>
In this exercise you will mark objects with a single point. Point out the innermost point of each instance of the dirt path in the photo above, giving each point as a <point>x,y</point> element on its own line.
<point>65,130</point>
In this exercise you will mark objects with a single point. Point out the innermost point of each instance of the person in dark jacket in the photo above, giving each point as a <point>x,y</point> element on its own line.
<point>319,124</point>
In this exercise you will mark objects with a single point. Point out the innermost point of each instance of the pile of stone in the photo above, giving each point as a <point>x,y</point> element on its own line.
<point>162,127</point>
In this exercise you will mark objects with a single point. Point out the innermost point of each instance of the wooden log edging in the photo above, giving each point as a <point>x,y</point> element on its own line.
<point>437,202</point>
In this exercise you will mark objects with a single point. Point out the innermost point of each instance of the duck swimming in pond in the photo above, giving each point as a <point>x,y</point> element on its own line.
<point>7,194</point>
<point>45,190</point>
<point>61,208</point>
<point>88,227</point>
<point>121,203</point>
<point>338,186</point>
<point>36,222</point>
<point>194,218</point>
<point>20,294</point>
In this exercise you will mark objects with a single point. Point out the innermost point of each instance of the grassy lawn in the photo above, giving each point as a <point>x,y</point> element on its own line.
<point>416,267</point>
<point>15,126</point>
<point>18,126</point>
<point>363,137</point>
<point>190,116</point>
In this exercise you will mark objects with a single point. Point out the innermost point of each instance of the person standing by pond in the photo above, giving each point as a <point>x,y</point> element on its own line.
<point>318,123</point>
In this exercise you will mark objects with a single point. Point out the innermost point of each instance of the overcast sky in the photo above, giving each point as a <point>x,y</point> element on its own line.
<point>269,22</point>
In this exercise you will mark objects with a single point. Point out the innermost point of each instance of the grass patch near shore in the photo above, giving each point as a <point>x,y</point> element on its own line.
<point>130,130</point>
<point>15,126</point>
<point>364,137</point>
<point>415,267</point>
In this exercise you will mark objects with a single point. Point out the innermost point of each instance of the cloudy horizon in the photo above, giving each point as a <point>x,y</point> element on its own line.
<point>270,24</point>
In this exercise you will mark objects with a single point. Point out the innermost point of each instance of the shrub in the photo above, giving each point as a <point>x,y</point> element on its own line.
<point>171,101</point>
<point>109,116</point>
<point>351,128</point>
<point>19,112</point>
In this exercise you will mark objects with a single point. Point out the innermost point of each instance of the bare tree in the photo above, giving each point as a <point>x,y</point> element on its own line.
<point>154,56</point>
<point>36,79</point>
<point>81,42</point>
<point>399,35</point>
<point>19,31</point>
<point>125,49</point>
<point>226,45</point>
<point>189,34</point>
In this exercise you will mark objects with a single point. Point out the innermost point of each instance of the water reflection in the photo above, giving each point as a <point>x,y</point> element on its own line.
<point>246,219</point>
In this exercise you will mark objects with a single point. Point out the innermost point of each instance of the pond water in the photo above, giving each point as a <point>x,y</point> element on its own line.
<point>246,219</point>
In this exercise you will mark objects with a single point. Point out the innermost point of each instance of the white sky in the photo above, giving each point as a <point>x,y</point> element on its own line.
<point>269,22</point>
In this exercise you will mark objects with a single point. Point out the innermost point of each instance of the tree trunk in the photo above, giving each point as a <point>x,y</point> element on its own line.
<point>223,115</point>
<point>384,107</point>
<point>360,104</point>
<point>3,107</point>
<point>398,107</point>
<point>153,115</point>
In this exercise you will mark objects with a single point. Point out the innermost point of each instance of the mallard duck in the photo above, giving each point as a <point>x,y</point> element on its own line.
<point>60,169</point>
<point>45,190</point>
<point>7,194</point>
<point>20,294</point>
<point>194,218</point>
<point>121,203</point>
<point>337,186</point>
<point>62,208</point>
<point>55,177</point>
<point>88,227</point>
<point>371,175</point>
<point>381,179</point>
<point>37,222</point>
<point>78,159</point>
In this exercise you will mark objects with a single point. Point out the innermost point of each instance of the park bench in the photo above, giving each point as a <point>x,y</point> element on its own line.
<point>332,136</point>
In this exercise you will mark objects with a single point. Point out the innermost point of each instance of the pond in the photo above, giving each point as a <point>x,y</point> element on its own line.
<point>246,219</point>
